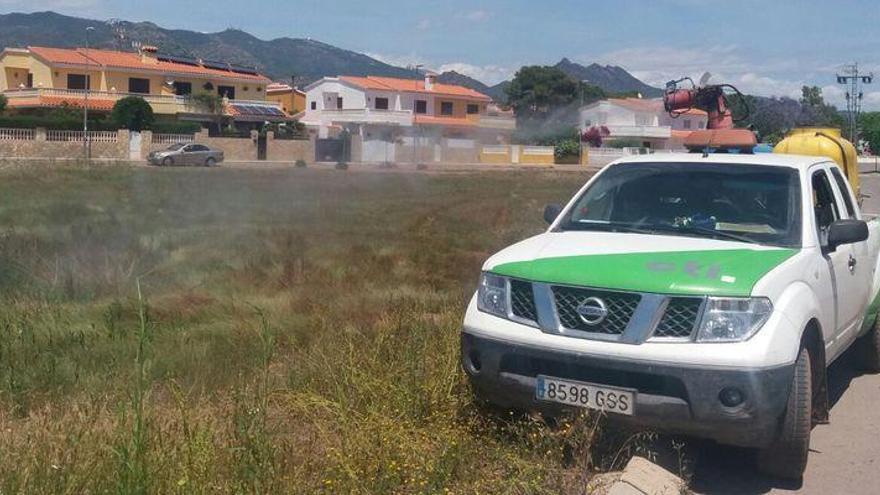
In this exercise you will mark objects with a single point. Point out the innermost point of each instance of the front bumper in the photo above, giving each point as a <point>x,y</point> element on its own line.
<point>671,398</point>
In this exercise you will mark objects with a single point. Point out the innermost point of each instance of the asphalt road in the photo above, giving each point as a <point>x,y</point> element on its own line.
<point>845,454</point>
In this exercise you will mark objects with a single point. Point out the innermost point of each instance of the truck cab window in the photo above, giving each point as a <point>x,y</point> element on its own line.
<point>844,191</point>
<point>824,205</point>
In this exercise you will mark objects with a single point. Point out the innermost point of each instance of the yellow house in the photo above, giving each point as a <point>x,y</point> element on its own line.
<point>41,77</point>
<point>291,99</point>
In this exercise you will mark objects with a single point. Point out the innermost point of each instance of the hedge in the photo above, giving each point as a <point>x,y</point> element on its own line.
<point>73,124</point>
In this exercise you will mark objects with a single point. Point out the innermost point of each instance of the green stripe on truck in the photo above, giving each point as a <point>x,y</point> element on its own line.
<point>731,272</point>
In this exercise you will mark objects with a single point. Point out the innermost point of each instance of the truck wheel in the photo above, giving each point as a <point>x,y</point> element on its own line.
<point>870,349</point>
<point>786,457</point>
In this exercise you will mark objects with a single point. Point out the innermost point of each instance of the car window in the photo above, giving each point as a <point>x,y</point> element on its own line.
<point>824,205</point>
<point>760,204</point>
<point>190,149</point>
<point>844,191</point>
<point>175,147</point>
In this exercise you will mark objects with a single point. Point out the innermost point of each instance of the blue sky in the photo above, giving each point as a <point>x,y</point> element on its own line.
<point>768,47</point>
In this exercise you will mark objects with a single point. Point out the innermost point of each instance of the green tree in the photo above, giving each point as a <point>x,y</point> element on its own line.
<point>537,92</point>
<point>3,102</point>
<point>211,104</point>
<point>812,96</point>
<point>133,113</point>
<point>870,126</point>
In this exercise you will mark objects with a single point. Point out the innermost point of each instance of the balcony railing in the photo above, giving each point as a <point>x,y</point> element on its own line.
<point>366,115</point>
<point>162,104</point>
<point>495,122</point>
<point>640,131</point>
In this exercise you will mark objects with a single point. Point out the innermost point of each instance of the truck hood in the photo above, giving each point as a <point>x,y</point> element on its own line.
<point>640,263</point>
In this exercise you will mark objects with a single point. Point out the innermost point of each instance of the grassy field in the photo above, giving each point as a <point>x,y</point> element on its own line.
<point>263,331</point>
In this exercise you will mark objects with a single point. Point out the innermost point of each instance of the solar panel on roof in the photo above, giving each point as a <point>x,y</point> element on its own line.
<point>215,65</point>
<point>179,60</point>
<point>243,69</point>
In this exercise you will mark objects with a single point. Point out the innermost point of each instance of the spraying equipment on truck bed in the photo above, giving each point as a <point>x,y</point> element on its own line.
<point>683,95</point>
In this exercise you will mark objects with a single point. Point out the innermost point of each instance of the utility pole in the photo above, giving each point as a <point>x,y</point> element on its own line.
<point>86,100</point>
<point>851,77</point>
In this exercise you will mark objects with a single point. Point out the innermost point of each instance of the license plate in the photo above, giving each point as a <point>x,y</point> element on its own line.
<point>587,395</point>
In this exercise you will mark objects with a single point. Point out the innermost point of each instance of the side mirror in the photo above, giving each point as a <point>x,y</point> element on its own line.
<point>846,232</point>
<point>552,211</point>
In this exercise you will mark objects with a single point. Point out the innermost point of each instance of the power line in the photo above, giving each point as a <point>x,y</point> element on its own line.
<point>850,76</point>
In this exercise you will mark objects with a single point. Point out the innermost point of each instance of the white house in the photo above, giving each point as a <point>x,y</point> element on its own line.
<point>643,120</point>
<point>390,116</point>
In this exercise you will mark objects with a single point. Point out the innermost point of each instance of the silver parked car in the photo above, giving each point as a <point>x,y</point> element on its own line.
<point>186,154</point>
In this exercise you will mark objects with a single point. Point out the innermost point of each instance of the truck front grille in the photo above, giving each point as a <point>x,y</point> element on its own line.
<point>680,318</point>
<point>620,308</point>
<point>522,301</point>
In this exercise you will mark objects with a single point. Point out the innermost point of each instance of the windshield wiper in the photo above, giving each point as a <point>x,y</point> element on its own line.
<point>693,229</point>
<point>606,227</point>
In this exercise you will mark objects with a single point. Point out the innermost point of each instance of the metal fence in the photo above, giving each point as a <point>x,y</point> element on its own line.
<point>77,136</point>
<point>17,134</point>
<point>173,138</point>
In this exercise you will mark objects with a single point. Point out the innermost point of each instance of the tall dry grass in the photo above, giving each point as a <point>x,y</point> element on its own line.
<point>296,331</point>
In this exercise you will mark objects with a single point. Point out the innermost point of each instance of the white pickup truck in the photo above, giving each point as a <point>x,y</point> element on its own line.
<point>688,293</point>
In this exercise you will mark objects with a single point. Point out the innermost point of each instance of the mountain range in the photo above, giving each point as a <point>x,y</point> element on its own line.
<point>281,58</point>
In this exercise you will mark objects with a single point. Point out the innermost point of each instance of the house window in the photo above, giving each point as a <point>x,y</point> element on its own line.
<point>138,85</point>
<point>702,124</point>
<point>339,102</point>
<point>226,91</point>
<point>182,88</point>
<point>76,81</point>
<point>30,80</point>
<point>473,109</point>
<point>446,108</point>
<point>381,103</point>
<point>421,106</point>
<point>687,124</point>
<point>314,105</point>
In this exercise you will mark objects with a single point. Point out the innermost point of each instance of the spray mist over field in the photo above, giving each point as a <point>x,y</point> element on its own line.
<point>296,331</point>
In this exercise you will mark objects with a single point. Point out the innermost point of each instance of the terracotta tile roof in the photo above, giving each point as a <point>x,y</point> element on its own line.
<point>57,101</point>
<point>681,134</point>
<point>281,88</point>
<point>413,86</point>
<point>127,60</point>
<point>444,121</point>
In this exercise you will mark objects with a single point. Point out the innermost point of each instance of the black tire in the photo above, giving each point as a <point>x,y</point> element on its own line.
<point>869,349</point>
<point>210,162</point>
<point>168,162</point>
<point>787,456</point>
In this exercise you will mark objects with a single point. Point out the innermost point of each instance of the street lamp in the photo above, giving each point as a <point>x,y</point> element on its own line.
<point>86,99</point>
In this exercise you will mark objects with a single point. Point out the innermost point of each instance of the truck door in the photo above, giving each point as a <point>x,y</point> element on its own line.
<point>846,291</point>
<point>863,269</point>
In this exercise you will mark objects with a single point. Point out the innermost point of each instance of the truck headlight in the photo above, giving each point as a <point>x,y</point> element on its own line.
<point>492,295</point>
<point>728,319</point>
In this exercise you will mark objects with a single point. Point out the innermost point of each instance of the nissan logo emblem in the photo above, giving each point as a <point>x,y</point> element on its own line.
<point>592,311</point>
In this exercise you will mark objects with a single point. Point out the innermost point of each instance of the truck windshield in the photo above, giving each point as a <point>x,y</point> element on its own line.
<point>748,203</point>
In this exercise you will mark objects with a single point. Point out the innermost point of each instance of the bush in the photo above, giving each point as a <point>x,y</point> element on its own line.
<point>133,113</point>
<point>301,164</point>
<point>3,102</point>
<point>54,123</point>
<point>566,148</point>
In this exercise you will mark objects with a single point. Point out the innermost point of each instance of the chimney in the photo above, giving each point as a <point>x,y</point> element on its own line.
<point>430,79</point>
<point>148,54</point>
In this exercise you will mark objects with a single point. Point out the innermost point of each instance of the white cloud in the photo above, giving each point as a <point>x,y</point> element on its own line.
<point>424,25</point>
<point>487,74</point>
